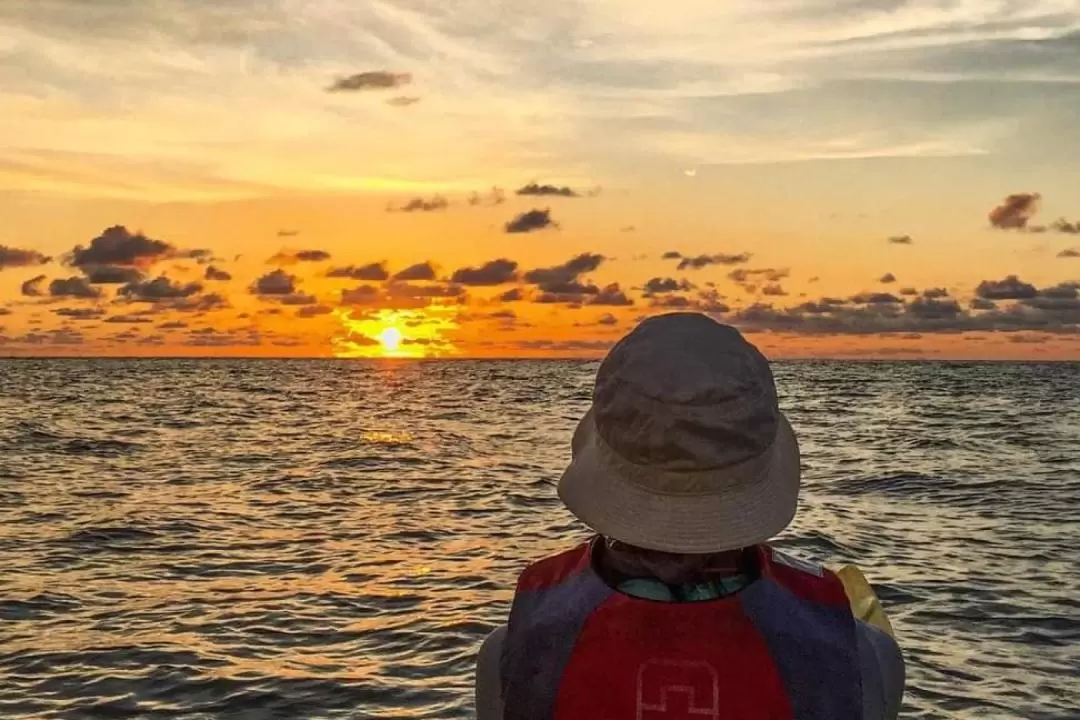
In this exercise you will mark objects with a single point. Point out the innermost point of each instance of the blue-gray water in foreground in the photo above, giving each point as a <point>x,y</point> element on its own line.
<point>333,539</point>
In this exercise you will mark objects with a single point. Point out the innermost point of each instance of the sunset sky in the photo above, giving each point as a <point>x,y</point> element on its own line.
<point>481,178</point>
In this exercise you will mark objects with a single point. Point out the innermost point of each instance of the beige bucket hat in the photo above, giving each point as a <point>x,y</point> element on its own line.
<point>684,449</point>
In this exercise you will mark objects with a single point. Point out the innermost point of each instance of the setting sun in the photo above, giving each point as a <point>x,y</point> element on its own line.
<point>391,340</point>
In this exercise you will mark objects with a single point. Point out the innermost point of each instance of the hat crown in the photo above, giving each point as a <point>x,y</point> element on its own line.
<point>683,392</point>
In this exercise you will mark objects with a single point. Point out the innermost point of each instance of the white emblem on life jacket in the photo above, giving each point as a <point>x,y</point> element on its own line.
<point>795,563</point>
<point>673,690</point>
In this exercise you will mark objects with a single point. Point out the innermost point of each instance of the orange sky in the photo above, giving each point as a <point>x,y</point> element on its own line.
<point>858,182</point>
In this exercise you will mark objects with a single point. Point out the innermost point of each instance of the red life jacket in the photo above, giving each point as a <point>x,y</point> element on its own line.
<point>783,648</point>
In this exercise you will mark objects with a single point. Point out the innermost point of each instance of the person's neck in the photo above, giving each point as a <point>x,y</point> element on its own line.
<point>618,560</point>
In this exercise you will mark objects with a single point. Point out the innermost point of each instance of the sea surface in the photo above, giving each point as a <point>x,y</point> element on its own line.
<point>334,539</point>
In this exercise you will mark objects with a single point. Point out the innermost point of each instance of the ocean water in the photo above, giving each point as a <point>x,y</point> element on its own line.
<point>333,539</point>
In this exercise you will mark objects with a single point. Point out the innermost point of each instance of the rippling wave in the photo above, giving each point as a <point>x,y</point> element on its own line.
<point>323,539</point>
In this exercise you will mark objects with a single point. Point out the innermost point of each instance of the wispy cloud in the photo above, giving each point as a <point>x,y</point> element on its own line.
<point>566,77</point>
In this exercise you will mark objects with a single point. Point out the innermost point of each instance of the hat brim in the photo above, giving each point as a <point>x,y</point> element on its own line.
<point>755,507</point>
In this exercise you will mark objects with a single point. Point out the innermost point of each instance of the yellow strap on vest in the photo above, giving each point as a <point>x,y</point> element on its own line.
<point>864,603</point>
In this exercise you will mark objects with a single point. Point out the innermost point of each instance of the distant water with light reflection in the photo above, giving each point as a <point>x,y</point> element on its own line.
<point>333,539</point>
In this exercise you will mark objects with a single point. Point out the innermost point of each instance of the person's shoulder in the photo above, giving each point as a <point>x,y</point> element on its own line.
<point>883,672</point>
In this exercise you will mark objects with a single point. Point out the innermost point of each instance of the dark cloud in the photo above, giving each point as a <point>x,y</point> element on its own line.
<point>291,258</point>
<point>288,233</point>
<point>76,287</point>
<point>1051,310</point>
<point>820,307</point>
<point>703,261</point>
<point>1011,288</point>
<point>14,257</point>
<point>495,272</point>
<point>876,299</point>
<point>199,303</point>
<point>934,293</point>
<point>774,290</point>
<point>32,287</point>
<point>112,274</point>
<point>1061,225</point>
<point>297,299</point>
<point>515,295</point>
<point>363,295</point>
<point>742,275</point>
<point>672,302</point>
<point>1015,211</point>
<point>570,287</point>
<point>420,271</point>
<point>201,256</point>
<point>408,290</point>
<point>313,311</point>
<point>159,289</point>
<point>929,309</point>
<point>372,272</point>
<point>80,313</point>
<point>658,285</point>
<point>118,246</point>
<point>419,204</point>
<point>546,190</point>
<point>213,273</point>
<point>900,240</point>
<point>370,80</point>
<point>173,325</point>
<point>277,282</point>
<point>1065,289</point>
<point>887,278</point>
<point>1069,253</point>
<point>402,101</point>
<point>1063,296</point>
<point>570,293</point>
<point>550,278</point>
<point>128,319</point>
<point>607,319</point>
<point>59,336</point>
<point>706,302</point>
<point>530,221</point>
<point>210,337</point>
<point>908,291</point>
<point>611,295</point>
<point>671,255</point>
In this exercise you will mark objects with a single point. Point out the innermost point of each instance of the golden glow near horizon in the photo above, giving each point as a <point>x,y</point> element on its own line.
<point>396,333</point>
